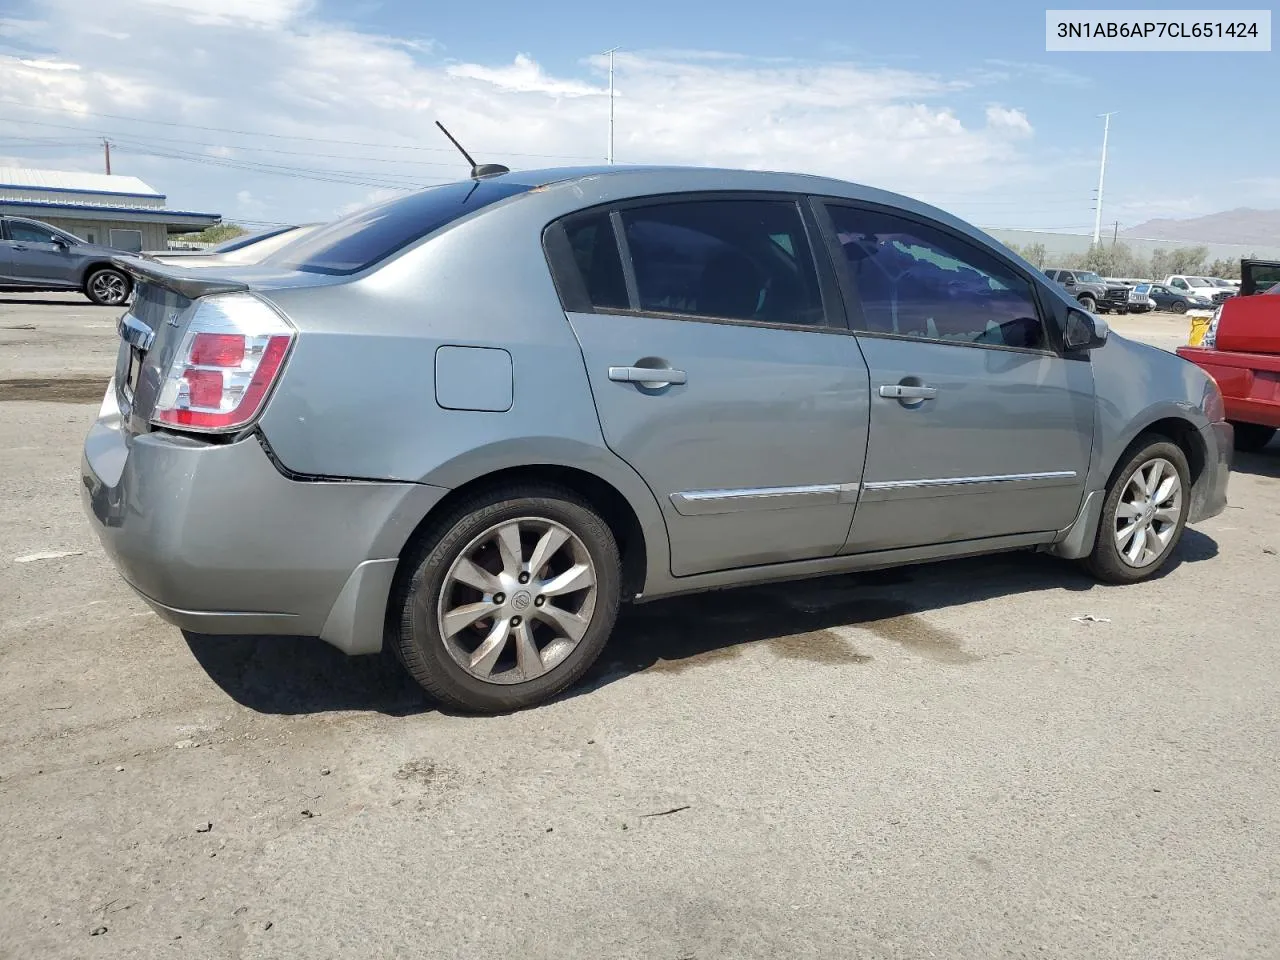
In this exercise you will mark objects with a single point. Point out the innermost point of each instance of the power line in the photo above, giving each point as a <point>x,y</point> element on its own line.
<point>276,136</point>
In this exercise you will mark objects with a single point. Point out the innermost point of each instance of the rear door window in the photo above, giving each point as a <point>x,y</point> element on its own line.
<point>747,260</point>
<point>367,236</point>
<point>915,280</point>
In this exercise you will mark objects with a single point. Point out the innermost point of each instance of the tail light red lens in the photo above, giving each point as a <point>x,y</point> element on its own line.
<point>229,359</point>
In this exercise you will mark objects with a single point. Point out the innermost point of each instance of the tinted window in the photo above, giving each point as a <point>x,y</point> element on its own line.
<point>917,281</point>
<point>595,254</point>
<point>733,259</point>
<point>238,242</point>
<point>29,233</point>
<point>367,236</point>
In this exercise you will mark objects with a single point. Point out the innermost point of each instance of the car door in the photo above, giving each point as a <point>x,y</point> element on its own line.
<point>36,259</point>
<point>721,371</point>
<point>979,426</point>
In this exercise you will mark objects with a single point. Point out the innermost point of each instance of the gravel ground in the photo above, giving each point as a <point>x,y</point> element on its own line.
<point>933,762</point>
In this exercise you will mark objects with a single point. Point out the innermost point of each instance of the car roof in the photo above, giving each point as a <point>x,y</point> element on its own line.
<point>626,180</point>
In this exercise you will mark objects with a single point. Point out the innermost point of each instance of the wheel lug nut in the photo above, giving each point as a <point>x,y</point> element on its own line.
<point>515,621</point>
<point>539,601</point>
<point>524,578</point>
<point>499,598</point>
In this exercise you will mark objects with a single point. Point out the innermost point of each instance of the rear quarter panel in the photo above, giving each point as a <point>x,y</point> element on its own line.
<point>358,398</point>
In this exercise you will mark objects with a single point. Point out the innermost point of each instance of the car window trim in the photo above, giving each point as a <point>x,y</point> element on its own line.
<point>832,305</point>
<point>856,319</point>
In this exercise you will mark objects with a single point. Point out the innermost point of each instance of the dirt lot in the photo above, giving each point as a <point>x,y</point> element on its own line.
<point>935,762</point>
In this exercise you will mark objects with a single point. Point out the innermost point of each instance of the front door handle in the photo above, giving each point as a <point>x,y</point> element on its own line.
<point>903,391</point>
<point>647,376</point>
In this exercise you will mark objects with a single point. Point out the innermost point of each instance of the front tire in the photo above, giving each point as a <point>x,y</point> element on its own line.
<point>1252,437</point>
<point>1089,304</point>
<point>1144,514</point>
<point>107,287</point>
<point>510,598</point>
<point>1179,307</point>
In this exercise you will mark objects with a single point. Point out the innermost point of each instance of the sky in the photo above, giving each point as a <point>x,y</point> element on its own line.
<point>279,111</point>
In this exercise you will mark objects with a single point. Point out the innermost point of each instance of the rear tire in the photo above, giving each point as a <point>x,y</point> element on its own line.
<point>1141,526</point>
<point>510,598</point>
<point>107,287</point>
<point>1252,437</point>
<point>1089,304</point>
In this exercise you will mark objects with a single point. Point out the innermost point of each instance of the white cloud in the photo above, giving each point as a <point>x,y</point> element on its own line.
<point>279,67</point>
<point>1013,121</point>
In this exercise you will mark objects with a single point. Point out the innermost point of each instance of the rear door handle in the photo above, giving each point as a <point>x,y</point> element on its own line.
<point>902,391</point>
<point>647,376</point>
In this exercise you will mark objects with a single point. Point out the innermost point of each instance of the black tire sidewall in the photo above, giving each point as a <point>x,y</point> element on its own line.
<point>1105,561</point>
<point>422,648</point>
<point>1089,304</point>
<point>88,287</point>
<point>1179,307</point>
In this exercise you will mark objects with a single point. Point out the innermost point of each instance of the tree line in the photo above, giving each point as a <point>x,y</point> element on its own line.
<point>1118,260</point>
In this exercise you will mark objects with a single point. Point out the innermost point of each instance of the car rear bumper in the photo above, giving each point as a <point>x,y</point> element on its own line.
<point>1250,382</point>
<point>217,540</point>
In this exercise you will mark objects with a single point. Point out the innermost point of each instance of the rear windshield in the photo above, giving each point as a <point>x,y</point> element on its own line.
<point>367,236</point>
<point>239,242</point>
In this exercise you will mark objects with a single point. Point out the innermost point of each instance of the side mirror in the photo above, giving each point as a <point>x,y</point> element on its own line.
<point>1084,331</point>
<point>62,242</point>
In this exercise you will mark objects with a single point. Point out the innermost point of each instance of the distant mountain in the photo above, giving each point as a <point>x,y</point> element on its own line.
<point>1243,225</point>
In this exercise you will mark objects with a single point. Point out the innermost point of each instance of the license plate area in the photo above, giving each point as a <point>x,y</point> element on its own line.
<point>129,383</point>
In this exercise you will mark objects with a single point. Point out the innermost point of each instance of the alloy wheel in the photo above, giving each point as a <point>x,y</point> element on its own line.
<point>1148,513</point>
<point>109,288</point>
<point>517,600</point>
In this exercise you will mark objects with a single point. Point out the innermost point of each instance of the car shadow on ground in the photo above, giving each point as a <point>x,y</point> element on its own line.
<point>294,675</point>
<point>1265,463</point>
<point>6,301</point>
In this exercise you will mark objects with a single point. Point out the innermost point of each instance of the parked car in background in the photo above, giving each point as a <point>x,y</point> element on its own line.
<point>1091,291</point>
<point>475,419</point>
<point>1177,301</point>
<point>1140,298</point>
<point>37,256</point>
<point>1197,287</point>
<point>1231,286</point>
<point>1241,351</point>
<point>242,251</point>
<point>1258,276</point>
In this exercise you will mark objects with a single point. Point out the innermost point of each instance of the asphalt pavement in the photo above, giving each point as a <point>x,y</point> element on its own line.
<point>983,758</point>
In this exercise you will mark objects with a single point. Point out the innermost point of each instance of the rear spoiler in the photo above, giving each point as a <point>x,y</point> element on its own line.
<point>190,285</point>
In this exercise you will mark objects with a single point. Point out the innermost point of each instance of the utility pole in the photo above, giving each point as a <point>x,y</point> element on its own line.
<point>1115,235</point>
<point>106,154</point>
<point>611,52</point>
<point>1102,173</point>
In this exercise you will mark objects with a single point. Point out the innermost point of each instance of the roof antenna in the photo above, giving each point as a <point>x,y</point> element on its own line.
<point>478,170</point>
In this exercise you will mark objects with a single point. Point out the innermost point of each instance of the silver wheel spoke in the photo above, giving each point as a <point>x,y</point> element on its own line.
<point>1124,534</point>
<point>487,653</point>
<point>567,624</point>
<point>1165,491</point>
<point>464,616</point>
<point>548,544</point>
<point>1154,473</point>
<point>509,548</point>
<point>1139,543</point>
<point>476,576</point>
<point>527,657</point>
<point>576,577</point>
<point>1168,514</point>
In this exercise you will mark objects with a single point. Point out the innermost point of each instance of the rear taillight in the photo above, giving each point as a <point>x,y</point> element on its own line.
<point>229,359</point>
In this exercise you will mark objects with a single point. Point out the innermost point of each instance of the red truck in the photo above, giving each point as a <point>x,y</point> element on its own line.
<point>1241,350</point>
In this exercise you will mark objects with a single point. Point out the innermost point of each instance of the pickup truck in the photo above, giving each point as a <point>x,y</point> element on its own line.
<point>1241,351</point>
